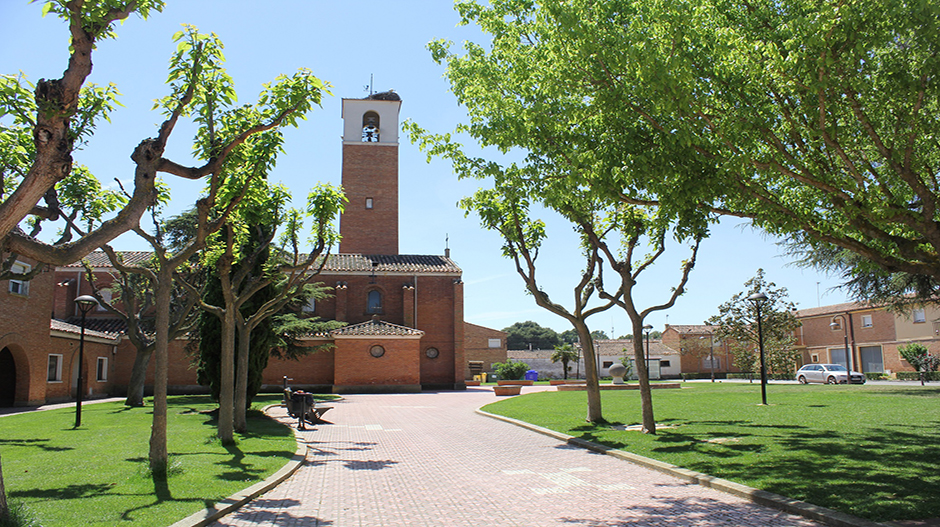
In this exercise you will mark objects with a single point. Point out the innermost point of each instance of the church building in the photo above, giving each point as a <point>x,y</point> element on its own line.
<point>404,329</point>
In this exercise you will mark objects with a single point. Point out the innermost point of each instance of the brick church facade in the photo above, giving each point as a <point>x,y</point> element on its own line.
<point>404,313</point>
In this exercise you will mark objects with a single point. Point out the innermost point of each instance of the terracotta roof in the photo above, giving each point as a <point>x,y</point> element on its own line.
<point>835,308</point>
<point>392,263</point>
<point>616,346</point>
<point>65,327</point>
<point>692,329</point>
<point>336,263</point>
<point>100,259</point>
<point>376,328</point>
<point>111,326</point>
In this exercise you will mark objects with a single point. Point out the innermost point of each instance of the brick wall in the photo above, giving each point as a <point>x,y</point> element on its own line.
<point>357,370</point>
<point>476,347</point>
<point>370,170</point>
<point>24,330</point>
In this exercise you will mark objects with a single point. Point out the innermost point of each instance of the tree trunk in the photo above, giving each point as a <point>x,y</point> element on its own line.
<point>4,508</point>
<point>227,377</point>
<point>135,386</point>
<point>594,413</point>
<point>564,365</point>
<point>643,375</point>
<point>241,383</point>
<point>158,448</point>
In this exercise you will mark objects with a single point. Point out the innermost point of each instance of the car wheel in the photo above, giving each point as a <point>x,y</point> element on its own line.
<point>802,379</point>
<point>831,380</point>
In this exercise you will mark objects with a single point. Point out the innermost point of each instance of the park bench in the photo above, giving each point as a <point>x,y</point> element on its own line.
<point>302,403</point>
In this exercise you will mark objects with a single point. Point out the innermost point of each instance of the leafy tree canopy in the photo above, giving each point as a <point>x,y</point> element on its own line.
<point>522,334</point>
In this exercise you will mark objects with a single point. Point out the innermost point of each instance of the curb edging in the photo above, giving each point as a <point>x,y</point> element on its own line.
<point>235,501</point>
<point>761,497</point>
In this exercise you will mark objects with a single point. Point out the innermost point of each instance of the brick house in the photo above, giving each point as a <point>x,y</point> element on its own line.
<point>405,330</point>
<point>699,350</point>
<point>873,334</point>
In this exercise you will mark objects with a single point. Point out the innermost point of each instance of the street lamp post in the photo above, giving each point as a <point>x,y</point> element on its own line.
<point>711,354</point>
<point>647,328</point>
<point>759,299</point>
<point>845,336</point>
<point>84,303</point>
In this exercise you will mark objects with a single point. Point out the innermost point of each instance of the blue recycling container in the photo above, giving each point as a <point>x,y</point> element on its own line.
<point>531,375</point>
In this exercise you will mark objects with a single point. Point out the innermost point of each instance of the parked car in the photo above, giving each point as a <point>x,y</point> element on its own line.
<point>827,373</point>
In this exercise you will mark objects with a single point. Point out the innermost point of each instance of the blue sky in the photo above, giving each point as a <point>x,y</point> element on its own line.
<point>344,43</point>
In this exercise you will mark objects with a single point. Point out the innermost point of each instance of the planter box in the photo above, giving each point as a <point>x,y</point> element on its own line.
<point>653,386</point>
<point>514,383</point>
<point>556,382</point>
<point>472,383</point>
<point>507,389</point>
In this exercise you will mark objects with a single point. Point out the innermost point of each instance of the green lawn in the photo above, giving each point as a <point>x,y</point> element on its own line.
<point>97,474</point>
<point>870,451</point>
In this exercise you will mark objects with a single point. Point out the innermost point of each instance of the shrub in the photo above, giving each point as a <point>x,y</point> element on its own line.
<point>511,371</point>
<point>746,375</point>
<point>875,376</point>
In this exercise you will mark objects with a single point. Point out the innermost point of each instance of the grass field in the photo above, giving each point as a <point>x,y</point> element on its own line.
<point>870,451</point>
<point>97,474</point>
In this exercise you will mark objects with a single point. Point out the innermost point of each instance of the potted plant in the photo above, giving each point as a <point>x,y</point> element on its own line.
<point>511,373</point>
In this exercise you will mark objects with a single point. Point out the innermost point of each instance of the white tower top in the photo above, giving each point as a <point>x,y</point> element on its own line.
<point>372,120</point>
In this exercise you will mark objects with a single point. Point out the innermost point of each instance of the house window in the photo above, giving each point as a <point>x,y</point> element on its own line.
<point>105,298</point>
<point>814,357</point>
<point>370,127</point>
<point>374,302</point>
<point>368,203</point>
<point>20,287</point>
<point>102,369</point>
<point>608,364</point>
<point>494,343</point>
<point>310,306</point>
<point>866,321</point>
<point>55,368</point>
<point>920,316</point>
<point>711,363</point>
<point>663,363</point>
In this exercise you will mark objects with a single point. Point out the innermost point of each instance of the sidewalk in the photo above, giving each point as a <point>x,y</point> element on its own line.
<point>428,460</point>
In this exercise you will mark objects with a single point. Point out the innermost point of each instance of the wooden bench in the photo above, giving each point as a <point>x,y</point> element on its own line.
<point>313,413</point>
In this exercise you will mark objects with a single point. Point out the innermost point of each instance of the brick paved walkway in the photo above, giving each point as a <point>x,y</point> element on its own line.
<point>428,460</point>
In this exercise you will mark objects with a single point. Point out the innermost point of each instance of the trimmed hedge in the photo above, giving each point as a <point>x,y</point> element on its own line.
<point>915,376</point>
<point>875,376</point>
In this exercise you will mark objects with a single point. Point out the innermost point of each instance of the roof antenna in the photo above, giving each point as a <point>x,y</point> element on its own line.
<point>447,245</point>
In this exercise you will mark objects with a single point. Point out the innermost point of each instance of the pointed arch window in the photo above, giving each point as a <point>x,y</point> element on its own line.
<point>370,127</point>
<point>374,302</point>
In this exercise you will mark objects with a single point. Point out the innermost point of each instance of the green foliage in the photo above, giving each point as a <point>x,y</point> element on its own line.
<point>522,334</point>
<point>509,370</point>
<point>918,356</point>
<point>861,467</point>
<point>565,354</point>
<point>736,325</point>
<point>875,376</point>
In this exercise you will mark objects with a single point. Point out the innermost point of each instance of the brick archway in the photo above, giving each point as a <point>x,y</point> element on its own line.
<point>15,370</point>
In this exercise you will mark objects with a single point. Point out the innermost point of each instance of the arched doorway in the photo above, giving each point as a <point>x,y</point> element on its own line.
<point>7,378</point>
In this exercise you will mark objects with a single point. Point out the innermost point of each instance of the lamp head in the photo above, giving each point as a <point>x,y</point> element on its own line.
<point>85,303</point>
<point>757,298</point>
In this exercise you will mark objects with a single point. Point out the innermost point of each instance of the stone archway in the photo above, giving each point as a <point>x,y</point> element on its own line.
<point>7,378</point>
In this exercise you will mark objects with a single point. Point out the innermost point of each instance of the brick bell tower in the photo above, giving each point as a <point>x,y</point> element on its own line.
<point>369,225</point>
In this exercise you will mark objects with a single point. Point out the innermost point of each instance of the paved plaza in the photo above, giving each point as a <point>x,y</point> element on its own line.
<point>429,460</point>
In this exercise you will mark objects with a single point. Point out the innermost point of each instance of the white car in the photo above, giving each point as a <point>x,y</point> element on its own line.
<point>827,373</point>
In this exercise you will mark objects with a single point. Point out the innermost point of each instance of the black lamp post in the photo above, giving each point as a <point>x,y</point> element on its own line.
<point>759,299</point>
<point>845,336</point>
<point>84,303</point>
<point>711,354</point>
<point>647,328</point>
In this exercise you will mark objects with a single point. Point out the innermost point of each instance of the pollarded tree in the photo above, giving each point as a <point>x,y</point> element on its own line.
<point>815,118</point>
<point>736,325</point>
<point>238,258</point>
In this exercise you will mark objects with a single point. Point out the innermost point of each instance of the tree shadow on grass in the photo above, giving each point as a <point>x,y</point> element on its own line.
<point>37,443</point>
